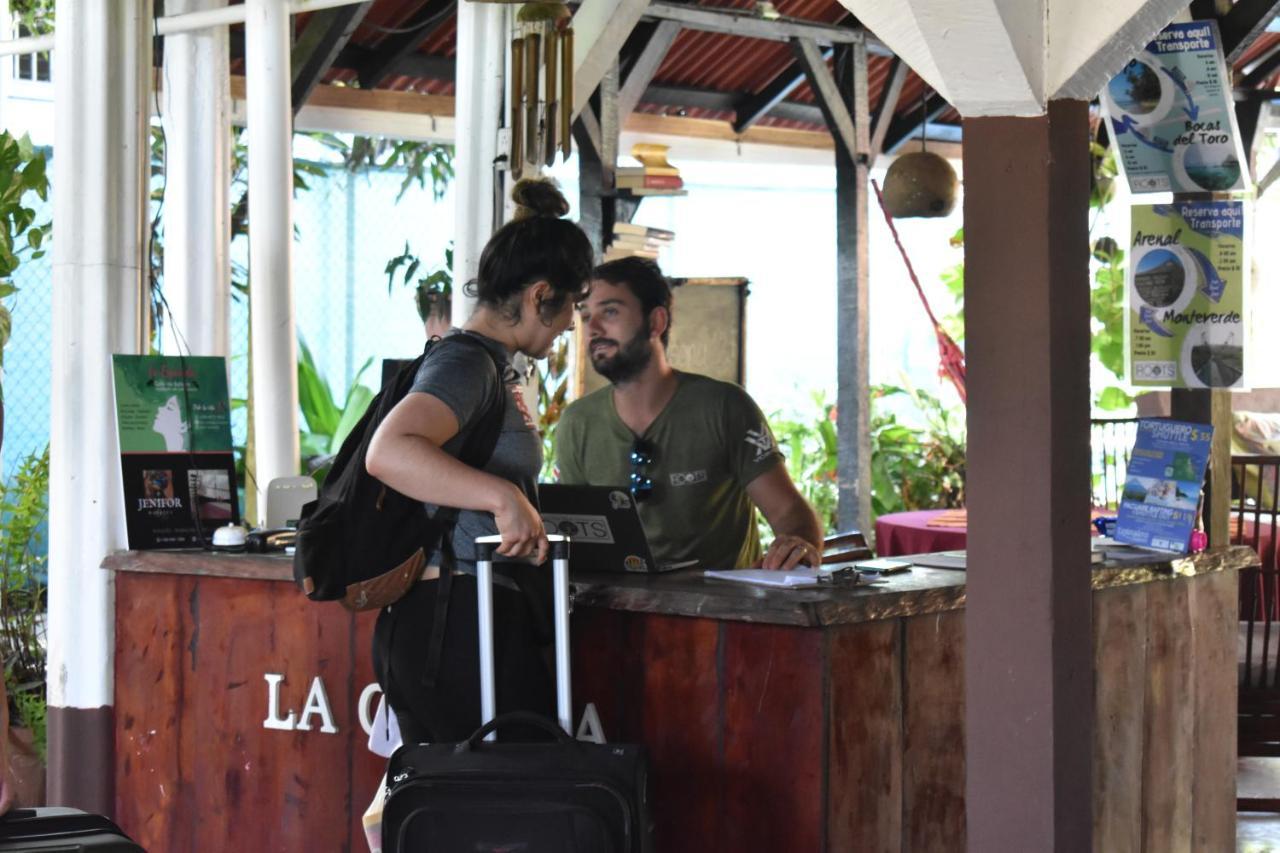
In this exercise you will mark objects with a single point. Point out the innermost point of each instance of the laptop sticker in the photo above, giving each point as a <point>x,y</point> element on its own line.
<point>580,528</point>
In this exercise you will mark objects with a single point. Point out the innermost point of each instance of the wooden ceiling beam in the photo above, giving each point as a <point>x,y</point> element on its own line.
<point>752,108</point>
<point>388,55</point>
<point>641,71</point>
<point>749,25</point>
<point>888,106</point>
<point>835,111</point>
<point>326,34</point>
<point>903,127</point>
<point>1241,26</point>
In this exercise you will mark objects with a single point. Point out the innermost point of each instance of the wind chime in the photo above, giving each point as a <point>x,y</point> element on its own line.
<point>540,93</point>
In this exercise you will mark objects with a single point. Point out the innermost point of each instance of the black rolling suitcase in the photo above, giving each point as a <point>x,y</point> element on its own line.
<point>564,796</point>
<point>62,830</point>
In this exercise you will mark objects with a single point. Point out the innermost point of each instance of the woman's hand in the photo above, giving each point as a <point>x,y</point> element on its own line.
<point>520,526</point>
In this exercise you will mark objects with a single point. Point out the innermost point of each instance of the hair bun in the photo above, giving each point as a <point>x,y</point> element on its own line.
<point>538,197</point>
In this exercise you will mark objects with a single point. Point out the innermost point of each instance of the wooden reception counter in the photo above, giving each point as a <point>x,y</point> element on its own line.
<point>777,720</point>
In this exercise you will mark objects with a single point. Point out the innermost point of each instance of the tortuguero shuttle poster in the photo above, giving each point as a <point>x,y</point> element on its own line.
<point>1186,295</point>
<point>173,416</point>
<point>1172,117</point>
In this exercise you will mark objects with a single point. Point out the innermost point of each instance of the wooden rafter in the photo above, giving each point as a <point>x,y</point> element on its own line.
<point>390,53</point>
<point>834,109</point>
<point>641,71</point>
<point>1247,20</point>
<point>707,99</point>
<point>888,106</point>
<point>1262,69</point>
<point>321,41</point>
<point>752,108</point>
<point>903,127</point>
<point>736,22</point>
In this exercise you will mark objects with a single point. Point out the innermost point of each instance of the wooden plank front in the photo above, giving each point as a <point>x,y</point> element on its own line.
<point>1168,751</point>
<point>1119,699</point>
<point>192,702</point>
<point>1214,609</point>
<point>864,796</point>
<point>933,759</point>
<point>152,797</point>
<point>774,736</point>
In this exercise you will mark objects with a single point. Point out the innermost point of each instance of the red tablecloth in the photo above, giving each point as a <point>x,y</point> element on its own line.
<point>899,533</point>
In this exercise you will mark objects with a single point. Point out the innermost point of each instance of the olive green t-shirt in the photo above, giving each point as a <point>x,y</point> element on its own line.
<point>707,444</point>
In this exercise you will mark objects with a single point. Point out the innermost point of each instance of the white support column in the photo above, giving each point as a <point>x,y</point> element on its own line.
<point>197,216</point>
<point>102,77</point>
<point>481,61</point>
<point>274,364</point>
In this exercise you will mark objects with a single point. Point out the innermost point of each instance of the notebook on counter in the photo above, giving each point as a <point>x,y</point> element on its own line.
<point>603,527</point>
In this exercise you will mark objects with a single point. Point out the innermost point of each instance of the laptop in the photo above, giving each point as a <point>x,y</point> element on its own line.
<point>604,526</point>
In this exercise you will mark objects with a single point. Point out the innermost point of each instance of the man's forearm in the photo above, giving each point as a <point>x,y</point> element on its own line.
<point>801,521</point>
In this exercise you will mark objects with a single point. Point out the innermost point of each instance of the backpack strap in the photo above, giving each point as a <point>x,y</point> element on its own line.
<point>477,450</point>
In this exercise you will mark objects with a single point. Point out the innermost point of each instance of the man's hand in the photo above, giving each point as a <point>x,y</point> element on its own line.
<point>789,551</point>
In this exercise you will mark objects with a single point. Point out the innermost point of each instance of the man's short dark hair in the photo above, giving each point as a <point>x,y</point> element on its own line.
<point>645,280</point>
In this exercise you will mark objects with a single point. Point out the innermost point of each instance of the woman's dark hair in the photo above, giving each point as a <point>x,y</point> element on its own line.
<point>645,280</point>
<point>536,245</point>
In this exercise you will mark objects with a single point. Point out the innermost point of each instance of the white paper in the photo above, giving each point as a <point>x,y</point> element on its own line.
<point>767,577</point>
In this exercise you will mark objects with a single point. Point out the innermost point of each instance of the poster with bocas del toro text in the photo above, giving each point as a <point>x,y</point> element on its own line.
<point>1171,115</point>
<point>173,416</point>
<point>1186,289</point>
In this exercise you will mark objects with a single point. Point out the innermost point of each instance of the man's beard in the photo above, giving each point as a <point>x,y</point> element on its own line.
<point>627,360</point>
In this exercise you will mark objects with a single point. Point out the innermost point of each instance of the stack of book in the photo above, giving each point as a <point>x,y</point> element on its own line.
<point>637,241</point>
<point>654,175</point>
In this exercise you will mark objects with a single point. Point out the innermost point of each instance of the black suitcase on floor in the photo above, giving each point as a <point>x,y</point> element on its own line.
<point>63,830</point>
<point>564,796</point>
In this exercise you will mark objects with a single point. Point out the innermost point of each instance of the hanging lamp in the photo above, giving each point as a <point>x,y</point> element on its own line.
<point>920,183</point>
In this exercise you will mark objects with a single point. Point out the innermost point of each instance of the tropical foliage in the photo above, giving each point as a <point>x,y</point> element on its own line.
<point>23,574</point>
<point>327,420</point>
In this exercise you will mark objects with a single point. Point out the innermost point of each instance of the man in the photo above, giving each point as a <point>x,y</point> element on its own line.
<point>696,452</point>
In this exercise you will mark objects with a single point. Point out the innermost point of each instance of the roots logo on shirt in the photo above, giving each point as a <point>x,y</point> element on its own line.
<point>517,396</point>
<point>688,478</point>
<point>761,439</point>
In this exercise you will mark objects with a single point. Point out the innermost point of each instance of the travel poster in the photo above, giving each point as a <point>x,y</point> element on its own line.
<point>1171,115</point>
<point>1186,295</point>
<point>1162,487</point>
<point>173,416</point>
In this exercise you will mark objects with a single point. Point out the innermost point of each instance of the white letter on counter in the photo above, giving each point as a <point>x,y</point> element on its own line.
<point>365,706</point>
<point>273,720</point>
<point>317,703</point>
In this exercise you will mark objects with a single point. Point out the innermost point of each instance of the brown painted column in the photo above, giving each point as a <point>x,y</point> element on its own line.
<point>1028,659</point>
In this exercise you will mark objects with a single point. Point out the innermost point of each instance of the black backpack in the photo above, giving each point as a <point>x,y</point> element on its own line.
<point>362,542</point>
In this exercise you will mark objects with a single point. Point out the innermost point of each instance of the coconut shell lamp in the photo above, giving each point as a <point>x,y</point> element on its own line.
<point>920,184</point>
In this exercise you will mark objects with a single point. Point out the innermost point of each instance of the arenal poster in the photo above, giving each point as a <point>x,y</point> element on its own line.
<point>1162,485</point>
<point>173,415</point>
<point>1172,117</point>
<point>1186,292</point>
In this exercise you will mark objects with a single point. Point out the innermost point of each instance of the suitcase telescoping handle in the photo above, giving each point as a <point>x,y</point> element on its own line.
<point>485,546</point>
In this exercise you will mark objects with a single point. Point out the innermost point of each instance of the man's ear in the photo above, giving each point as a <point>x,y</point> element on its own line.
<point>659,321</point>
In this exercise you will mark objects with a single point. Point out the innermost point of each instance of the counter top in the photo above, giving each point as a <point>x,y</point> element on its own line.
<point>690,593</point>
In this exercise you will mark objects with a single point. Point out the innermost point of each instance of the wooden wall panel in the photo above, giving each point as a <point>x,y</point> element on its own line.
<point>607,669</point>
<point>680,725</point>
<point>151,796</point>
<point>1119,698</point>
<point>864,796</point>
<point>774,729</point>
<point>933,773</point>
<point>1170,722</point>
<point>1214,610</point>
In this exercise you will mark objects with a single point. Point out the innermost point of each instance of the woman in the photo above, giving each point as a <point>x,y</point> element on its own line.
<point>531,273</point>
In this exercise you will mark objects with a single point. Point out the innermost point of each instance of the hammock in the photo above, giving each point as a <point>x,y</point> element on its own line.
<point>951,357</point>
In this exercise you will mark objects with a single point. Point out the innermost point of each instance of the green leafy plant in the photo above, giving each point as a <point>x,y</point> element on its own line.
<point>24,505</point>
<point>421,161</point>
<point>913,467</point>
<point>810,448</point>
<point>433,292</point>
<point>328,422</point>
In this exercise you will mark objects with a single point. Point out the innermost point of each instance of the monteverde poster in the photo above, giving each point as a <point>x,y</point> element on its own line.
<point>1186,295</point>
<point>1172,118</point>
<point>173,417</point>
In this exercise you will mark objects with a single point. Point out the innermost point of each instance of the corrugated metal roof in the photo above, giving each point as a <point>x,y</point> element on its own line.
<point>709,61</point>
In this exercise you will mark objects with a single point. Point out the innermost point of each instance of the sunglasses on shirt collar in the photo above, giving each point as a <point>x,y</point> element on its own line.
<point>643,458</point>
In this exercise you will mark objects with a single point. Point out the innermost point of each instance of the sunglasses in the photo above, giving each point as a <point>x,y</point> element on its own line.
<point>642,459</point>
